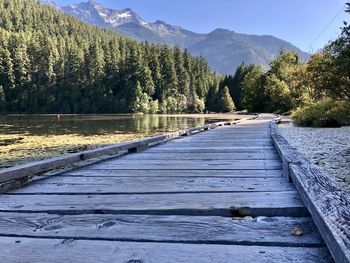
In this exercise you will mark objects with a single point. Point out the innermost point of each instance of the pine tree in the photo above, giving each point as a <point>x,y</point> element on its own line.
<point>140,102</point>
<point>212,103</point>
<point>51,62</point>
<point>183,77</point>
<point>227,104</point>
<point>168,72</point>
<point>2,99</point>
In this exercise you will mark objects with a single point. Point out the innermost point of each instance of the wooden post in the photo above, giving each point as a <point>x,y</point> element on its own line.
<point>138,148</point>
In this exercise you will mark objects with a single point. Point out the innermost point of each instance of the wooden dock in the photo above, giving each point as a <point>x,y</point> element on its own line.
<point>217,196</point>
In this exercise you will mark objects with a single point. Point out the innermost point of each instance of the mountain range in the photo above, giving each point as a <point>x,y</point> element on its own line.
<point>224,49</point>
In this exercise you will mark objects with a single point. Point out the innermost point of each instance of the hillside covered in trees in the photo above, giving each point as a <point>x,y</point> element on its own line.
<point>51,62</point>
<point>317,92</point>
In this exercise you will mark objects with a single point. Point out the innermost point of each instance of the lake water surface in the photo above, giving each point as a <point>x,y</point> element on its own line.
<point>96,124</point>
<point>26,138</point>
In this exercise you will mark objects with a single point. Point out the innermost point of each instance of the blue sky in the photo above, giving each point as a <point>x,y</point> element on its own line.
<point>297,21</point>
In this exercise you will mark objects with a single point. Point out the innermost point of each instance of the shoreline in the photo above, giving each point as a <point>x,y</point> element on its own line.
<point>20,148</point>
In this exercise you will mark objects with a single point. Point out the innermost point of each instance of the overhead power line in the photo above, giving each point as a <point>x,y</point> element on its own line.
<point>327,26</point>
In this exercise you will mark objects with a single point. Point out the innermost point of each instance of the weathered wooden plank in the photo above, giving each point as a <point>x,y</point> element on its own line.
<point>224,204</point>
<point>209,136</point>
<point>234,135</point>
<point>246,126</point>
<point>186,165</point>
<point>219,140</point>
<point>88,251</point>
<point>184,173</point>
<point>240,129</point>
<point>226,136</point>
<point>121,160</point>
<point>262,231</point>
<point>224,144</point>
<point>201,156</point>
<point>165,148</point>
<point>115,185</point>
<point>329,206</point>
<point>207,165</point>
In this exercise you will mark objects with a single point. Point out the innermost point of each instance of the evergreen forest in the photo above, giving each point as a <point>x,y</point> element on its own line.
<point>51,62</point>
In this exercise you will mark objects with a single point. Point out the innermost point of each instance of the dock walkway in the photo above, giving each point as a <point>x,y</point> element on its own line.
<point>217,196</point>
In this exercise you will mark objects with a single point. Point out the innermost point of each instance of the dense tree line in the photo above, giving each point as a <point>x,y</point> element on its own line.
<point>51,62</point>
<point>316,92</point>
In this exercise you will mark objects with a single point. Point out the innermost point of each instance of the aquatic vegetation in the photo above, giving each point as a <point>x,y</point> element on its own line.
<point>27,148</point>
<point>26,138</point>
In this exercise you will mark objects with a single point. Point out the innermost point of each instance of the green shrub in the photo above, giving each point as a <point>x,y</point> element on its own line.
<point>314,114</point>
<point>340,112</point>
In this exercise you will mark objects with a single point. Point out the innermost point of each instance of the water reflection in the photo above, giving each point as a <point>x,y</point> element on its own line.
<point>96,124</point>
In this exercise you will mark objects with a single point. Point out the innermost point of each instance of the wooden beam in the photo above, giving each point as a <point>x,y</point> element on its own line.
<point>223,204</point>
<point>328,205</point>
<point>142,185</point>
<point>86,172</point>
<point>202,156</point>
<point>90,251</point>
<point>262,231</point>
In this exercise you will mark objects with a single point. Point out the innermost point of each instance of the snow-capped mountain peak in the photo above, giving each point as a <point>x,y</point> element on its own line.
<point>224,49</point>
<point>95,13</point>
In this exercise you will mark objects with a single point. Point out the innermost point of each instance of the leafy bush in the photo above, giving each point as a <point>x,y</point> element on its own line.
<point>314,114</point>
<point>340,112</point>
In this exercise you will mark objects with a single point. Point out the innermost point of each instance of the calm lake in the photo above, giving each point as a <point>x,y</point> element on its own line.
<point>26,138</point>
<point>97,124</point>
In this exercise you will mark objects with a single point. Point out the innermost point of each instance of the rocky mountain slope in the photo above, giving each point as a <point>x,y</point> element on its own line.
<point>224,49</point>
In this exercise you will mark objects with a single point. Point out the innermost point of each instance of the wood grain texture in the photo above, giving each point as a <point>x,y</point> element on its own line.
<point>201,156</point>
<point>262,231</point>
<point>227,144</point>
<point>120,185</point>
<point>88,251</point>
<point>225,204</point>
<point>249,149</point>
<point>208,136</point>
<point>189,165</point>
<point>122,161</point>
<point>219,140</point>
<point>328,205</point>
<point>87,172</point>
